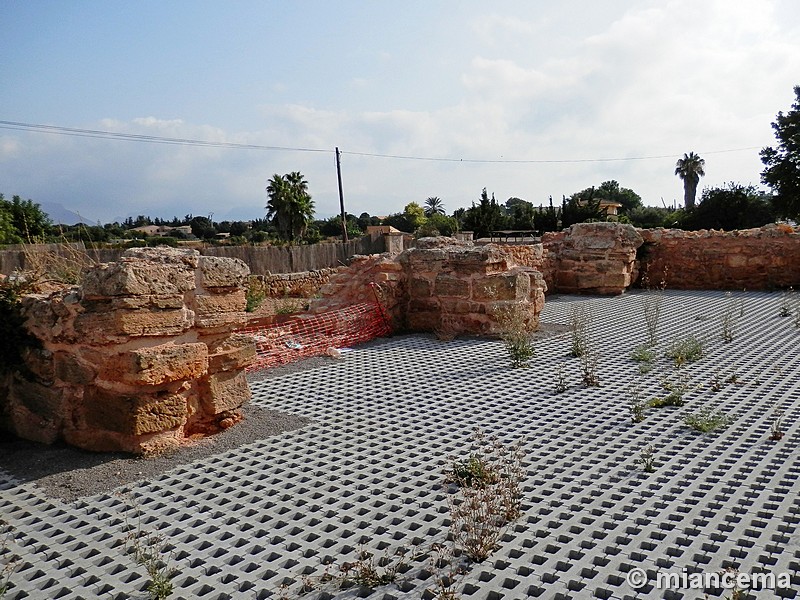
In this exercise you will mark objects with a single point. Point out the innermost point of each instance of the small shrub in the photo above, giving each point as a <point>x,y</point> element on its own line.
<point>776,432</point>
<point>481,513</point>
<point>636,405</point>
<point>677,388</point>
<point>561,383</point>
<point>446,573</point>
<point>589,370</point>
<point>516,328</point>
<point>729,319</point>
<point>647,459</point>
<point>254,298</point>
<point>579,320</point>
<point>707,420</point>
<point>149,549</point>
<point>685,350</point>
<point>643,353</point>
<point>651,305</point>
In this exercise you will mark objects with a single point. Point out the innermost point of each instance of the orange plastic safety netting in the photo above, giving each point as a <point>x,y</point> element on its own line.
<point>302,336</point>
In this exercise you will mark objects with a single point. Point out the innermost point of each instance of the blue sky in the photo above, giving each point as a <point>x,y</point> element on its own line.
<point>570,82</point>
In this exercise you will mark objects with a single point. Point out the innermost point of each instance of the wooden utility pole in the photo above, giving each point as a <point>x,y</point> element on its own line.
<point>341,195</point>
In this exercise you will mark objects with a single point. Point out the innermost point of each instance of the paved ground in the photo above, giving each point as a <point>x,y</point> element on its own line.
<point>390,416</point>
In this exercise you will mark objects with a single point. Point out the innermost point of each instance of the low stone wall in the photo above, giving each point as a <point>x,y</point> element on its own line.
<point>753,259</point>
<point>138,359</point>
<point>441,284</point>
<point>295,285</point>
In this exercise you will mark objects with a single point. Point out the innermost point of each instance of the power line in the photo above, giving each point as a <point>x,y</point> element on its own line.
<point>152,139</point>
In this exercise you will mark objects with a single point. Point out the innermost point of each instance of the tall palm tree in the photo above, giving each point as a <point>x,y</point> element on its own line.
<point>289,206</point>
<point>434,206</point>
<point>690,170</point>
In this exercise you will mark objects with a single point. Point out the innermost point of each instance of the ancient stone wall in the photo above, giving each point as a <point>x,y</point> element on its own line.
<point>295,285</point>
<point>139,358</point>
<point>764,258</point>
<point>441,284</point>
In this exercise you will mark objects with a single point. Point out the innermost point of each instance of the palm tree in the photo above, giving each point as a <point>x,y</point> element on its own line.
<point>433,206</point>
<point>690,169</point>
<point>289,206</point>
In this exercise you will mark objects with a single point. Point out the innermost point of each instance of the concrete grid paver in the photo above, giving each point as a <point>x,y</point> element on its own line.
<point>389,418</point>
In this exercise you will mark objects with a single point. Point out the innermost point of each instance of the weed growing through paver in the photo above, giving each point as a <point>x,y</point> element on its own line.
<point>645,356</point>
<point>149,549</point>
<point>9,562</point>
<point>481,512</point>
<point>685,350</point>
<point>515,327</point>
<point>636,405</point>
<point>579,319</point>
<point>589,369</point>
<point>651,305</point>
<point>729,319</point>
<point>677,385</point>
<point>776,432</point>
<point>786,303</point>
<point>561,383</point>
<point>446,573</point>
<point>706,420</point>
<point>647,459</point>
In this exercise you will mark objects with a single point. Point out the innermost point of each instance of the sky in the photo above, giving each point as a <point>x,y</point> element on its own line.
<point>527,99</point>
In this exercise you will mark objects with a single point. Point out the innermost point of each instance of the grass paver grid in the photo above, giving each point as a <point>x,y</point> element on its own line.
<point>389,418</point>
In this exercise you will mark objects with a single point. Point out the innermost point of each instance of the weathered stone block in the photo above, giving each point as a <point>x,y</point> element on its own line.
<point>216,272</point>
<point>236,352</point>
<point>157,365</point>
<point>446,285</point>
<point>133,415</point>
<point>207,305</point>
<point>137,278</point>
<point>420,287</point>
<point>224,391</point>
<point>42,400</point>
<point>511,285</point>
<point>73,370</point>
<point>97,326</point>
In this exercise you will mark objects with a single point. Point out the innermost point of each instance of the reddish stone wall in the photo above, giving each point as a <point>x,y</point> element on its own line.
<point>295,285</point>
<point>440,284</point>
<point>138,358</point>
<point>764,258</point>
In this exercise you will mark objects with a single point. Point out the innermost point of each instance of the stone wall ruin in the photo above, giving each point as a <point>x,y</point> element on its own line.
<point>139,358</point>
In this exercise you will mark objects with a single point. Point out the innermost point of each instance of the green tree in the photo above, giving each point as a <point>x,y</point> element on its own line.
<point>434,206</point>
<point>782,172</point>
<point>690,170</point>
<point>650,217</point>
<point>733,206</point>
<point>438,224</point>
<point>289,205</point>
<point>582,207</point>
<point>611,190</point>
<point>484,218</point>
<point>203,228</point>
<point>520,213</point>
<point>546,219</point>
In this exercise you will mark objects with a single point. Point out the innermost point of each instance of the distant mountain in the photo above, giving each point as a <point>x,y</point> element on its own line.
<point>63,216</point>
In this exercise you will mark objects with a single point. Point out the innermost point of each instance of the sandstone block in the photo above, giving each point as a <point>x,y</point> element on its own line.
<point>224,391</point>
<point>133,415</point>
<point>207,305</point>
<point>512,285</point>
<point>216,272</point>
<point>99,326</point>
<point>446,285</point>
<point>157,365</point>
<point>236,352</point>
<point>420,287</point>
<point>42,400</point>
<point>71,369</point>
<point>137,278</point>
